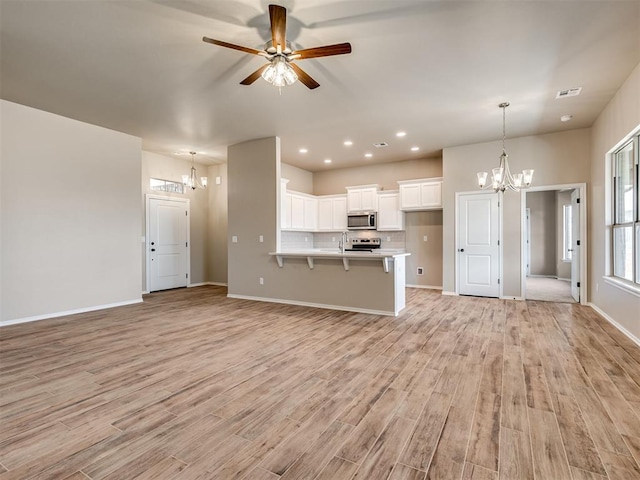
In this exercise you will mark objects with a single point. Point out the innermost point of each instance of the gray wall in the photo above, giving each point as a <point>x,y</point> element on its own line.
<point>71,215</point>
<point>542,206</point>
<point>254,187</point>
<point>424,254</point>
<point>385,174</point>
<point>618,119</point>
<point>558,158</point>
<point>217,227</point>
<point>299,180</point>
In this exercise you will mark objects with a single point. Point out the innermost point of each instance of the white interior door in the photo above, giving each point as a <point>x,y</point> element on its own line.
<point>167,244</point>
<point>575,240</point>
<point>479,245</point>
<point>527,237</point>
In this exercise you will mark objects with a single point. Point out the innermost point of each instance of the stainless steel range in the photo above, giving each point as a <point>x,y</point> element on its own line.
<point>364,245</point>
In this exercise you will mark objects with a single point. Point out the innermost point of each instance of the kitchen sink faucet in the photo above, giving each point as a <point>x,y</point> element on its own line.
<point>342,244</point>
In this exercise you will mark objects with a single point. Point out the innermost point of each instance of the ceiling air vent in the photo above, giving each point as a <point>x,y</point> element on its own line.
<point>571,92</point>
<point>381,145</point>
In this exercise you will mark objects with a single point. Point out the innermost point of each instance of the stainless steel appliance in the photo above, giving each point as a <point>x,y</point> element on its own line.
<point>362,221</point>
<point>364,245</point>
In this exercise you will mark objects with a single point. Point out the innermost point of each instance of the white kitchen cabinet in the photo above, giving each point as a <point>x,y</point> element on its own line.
<point>285,205</point>
<point>422,194</point>
<point>332,213</point>
<point>300,212</point>
<point>363,198</point>
<point>390,217</point>
<point>310,214</point>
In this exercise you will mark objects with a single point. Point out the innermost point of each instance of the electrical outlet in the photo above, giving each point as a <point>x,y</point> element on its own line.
<point>261,238</point>
<point>234,239</point>
<point>420,271</point>
<point>261,281</point>
<point>424,239</point>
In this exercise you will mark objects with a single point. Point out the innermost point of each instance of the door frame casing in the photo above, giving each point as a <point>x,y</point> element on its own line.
<point>457,235</point>
<point>147,257</point>
<point>582,188</point>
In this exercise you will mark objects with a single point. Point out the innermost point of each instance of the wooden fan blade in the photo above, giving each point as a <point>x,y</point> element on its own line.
<point>326,51</point>
<point>254,76</point>
<point>304,77</point>
<point>233,46</point>
<point>278,17</point>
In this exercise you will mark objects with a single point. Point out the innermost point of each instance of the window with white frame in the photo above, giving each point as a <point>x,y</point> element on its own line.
<point>567,251</point>
<point>626,218</point>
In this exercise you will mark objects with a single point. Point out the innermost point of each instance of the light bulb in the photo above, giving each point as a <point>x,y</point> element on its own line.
<point>482,178</point>
<point>517,180</point>
<point>528,176</point>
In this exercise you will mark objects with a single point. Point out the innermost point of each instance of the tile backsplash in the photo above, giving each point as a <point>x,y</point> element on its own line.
<point>304,240</point>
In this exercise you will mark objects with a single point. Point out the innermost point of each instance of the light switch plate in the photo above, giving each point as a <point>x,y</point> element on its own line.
<point>234,239</point>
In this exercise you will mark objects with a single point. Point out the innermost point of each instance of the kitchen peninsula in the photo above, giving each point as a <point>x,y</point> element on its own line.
<point>375,277</point>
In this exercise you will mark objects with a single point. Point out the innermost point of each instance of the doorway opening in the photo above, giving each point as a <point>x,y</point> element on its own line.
<point>554,243</point>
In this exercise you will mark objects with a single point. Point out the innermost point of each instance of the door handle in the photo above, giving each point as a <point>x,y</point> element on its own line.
<point>461,250</point>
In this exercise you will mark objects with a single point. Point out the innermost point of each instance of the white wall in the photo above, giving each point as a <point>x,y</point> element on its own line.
<point>71,218</point>
<point>618,119</point>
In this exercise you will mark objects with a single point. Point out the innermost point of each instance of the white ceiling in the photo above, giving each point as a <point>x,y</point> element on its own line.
<point>435,69</point>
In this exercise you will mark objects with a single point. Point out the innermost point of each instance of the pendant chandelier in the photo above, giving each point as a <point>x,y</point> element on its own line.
<point>191,180</point>
<point>501,177</point>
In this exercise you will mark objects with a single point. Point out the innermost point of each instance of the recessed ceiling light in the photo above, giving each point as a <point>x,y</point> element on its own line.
<point>303,150</point>
<point>348,143</point>
<point>368,155</point>
<point>566,118</point>
<point>415,149</point>
<point>401,134</point>
<point>327,160</point>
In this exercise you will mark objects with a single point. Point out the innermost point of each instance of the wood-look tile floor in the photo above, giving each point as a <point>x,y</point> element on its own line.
<point>193,385</point>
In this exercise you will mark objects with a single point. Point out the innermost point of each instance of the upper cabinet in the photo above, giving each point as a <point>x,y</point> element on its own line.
<point>363,198</point>
<point>390,217</point>
<point>332,213</point>
<point>299,211</point>
<point>422,194</point>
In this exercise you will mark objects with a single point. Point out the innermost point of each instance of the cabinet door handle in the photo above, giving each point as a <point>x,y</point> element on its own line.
<point>461,250</point>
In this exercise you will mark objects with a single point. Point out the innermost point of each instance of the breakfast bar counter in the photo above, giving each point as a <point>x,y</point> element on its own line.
<point>365,281</point>
<point>310,254</point>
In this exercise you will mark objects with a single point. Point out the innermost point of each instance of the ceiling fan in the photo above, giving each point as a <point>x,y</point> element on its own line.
<point>281,70</point>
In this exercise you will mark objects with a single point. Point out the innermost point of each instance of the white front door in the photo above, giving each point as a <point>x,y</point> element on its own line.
<point>478,245</point>
<point>575,247</point>
<point>167,244</point>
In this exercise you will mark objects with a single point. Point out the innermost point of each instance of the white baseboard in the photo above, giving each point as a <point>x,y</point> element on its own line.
<point>511,297</point>
<point>428,287</point>
<point>16,321</point>
<point>451,294</point>
<point>630,335</point>
<point>200,284</point>
<point>313,305</point>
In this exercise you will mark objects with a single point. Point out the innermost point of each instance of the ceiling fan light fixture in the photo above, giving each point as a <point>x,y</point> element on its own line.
<point>279,73</point>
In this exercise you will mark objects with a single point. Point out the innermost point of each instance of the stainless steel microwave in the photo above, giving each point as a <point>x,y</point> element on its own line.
<point>362,221</point>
